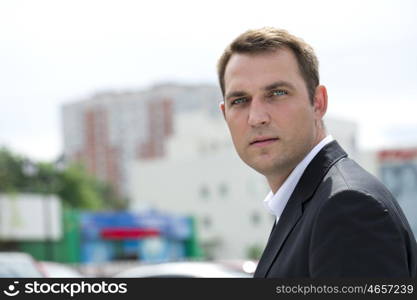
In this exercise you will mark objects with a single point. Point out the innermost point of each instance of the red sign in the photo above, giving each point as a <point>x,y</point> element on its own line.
<point>399,154</point>
<point>121,233</point>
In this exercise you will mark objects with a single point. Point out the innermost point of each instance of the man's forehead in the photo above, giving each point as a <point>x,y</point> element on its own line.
<point>247,57</point>
<point>244,68</point>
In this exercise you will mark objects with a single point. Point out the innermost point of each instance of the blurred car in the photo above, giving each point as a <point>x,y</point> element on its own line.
<point>19,264</point>
<point>57,270</point>
<point>183,270</point>
<point>241,265</point>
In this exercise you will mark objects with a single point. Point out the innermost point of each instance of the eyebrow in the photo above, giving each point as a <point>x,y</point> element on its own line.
<point>272,86</point>
<point>279,84</point>
<point>235,94</point>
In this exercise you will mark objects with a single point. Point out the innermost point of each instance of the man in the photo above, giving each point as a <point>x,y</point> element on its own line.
<point>333,219</point>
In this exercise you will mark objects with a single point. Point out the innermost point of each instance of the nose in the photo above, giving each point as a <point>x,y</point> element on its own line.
<point>258,113</point>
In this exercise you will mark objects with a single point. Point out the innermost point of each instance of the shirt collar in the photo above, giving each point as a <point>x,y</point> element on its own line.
<point>275,203</point>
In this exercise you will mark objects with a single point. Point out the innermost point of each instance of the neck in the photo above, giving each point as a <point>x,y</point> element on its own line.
<point>276,180</point>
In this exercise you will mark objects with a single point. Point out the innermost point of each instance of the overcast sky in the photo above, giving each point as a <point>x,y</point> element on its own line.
<point>52,52</point>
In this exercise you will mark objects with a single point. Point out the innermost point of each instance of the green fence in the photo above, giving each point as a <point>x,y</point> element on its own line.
<point>65,250</point>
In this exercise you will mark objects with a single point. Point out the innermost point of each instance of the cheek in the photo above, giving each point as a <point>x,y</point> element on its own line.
<point>307,125</point>
<point>238,135</point>
<point>296,122</point>
<point>236,127</point>
<point>234,131</point>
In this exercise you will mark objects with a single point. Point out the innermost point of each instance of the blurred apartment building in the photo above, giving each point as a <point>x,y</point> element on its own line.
<point>110,130</point>
<point>397,168</point>
<point>203,176</point>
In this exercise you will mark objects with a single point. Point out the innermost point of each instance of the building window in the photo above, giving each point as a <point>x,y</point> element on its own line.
<point>223,189</point>
<point>207,222</point>
<point>255,218</point>
<point>204,192</point>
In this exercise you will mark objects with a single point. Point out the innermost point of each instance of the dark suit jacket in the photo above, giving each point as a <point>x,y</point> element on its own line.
<point>340,221</point>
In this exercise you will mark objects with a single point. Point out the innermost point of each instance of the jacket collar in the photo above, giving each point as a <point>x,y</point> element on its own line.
<point>316,170</point>
<point>305,188</point>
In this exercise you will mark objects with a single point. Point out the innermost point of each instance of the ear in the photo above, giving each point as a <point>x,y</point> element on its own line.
<point>222,108</point>
<point>320,101</point>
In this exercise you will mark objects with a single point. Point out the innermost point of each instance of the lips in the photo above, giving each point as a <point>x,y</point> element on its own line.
<point>260,141</point>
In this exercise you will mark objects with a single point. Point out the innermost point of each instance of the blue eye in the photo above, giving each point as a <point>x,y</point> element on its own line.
<point>238,101</point>
<point>279,93</point>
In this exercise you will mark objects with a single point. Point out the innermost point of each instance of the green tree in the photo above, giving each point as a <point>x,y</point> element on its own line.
<point>77,189</point>
<point>254,252</point>
<point>12,177</point>
<point>74,185</point>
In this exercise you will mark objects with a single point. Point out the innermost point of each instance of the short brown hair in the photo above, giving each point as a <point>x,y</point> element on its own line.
<point>271,39</point>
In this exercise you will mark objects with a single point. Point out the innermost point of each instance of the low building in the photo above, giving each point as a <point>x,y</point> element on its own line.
<point>398,170</point>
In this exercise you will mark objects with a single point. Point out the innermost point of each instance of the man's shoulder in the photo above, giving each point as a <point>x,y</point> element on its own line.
<point>349,177</point>
<point>348,193</point>
<point>347,184</point>
<point>333,173</point>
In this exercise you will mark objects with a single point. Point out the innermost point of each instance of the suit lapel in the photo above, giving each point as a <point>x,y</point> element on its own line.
<point>286,223</point>
<point>305,188</point>
<point>272,230</point>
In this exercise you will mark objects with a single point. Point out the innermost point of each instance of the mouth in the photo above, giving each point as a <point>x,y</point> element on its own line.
<point>263,141</point>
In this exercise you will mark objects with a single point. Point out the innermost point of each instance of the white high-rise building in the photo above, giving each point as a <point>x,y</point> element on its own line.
<point>110,130</point>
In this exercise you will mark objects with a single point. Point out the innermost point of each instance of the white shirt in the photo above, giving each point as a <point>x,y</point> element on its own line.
<point>275,203</point>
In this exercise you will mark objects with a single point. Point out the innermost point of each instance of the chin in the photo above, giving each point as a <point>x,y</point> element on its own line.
<point>263,168</point>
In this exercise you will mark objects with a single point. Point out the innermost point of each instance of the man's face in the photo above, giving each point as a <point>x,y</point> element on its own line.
<point>268,111</point>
